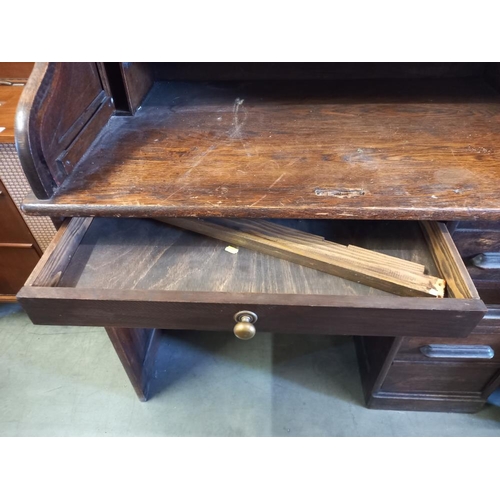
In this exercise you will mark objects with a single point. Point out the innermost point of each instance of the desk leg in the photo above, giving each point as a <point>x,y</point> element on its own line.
<point>136,348</point>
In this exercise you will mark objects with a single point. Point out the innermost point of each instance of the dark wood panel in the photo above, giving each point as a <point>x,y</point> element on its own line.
<point>137,79</point>
<point>76,89</point>
<point>376,362</point>
<point>57,102</point>
<point>279,313</point>
<point>470,243</point>
<point>375,356</point>
<point>441,376</point>
<point>492,74</point>
<point>136,349</point>
<point>402,149</point>
<point>311,71</point>
<point>17,262</point>
<point>71,156</point>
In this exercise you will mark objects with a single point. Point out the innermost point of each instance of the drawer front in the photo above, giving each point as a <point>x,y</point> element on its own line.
<point>215,312</point>
<point>16,264</point>
<point>470,243</point>
<point>144,274</point>
<point>13,229</point>
<point>457,377</point>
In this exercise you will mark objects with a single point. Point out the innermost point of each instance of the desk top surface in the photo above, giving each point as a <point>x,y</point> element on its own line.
<point>420,150</point>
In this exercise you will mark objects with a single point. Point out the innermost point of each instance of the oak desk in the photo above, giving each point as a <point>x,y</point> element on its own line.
<point>357,153</point>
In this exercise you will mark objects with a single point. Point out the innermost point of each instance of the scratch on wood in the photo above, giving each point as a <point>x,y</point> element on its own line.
<point>340,192</point>
<point>234,133</point>
<point>237,125</point>
<point>260,199</point>
<point>277,180</point>
<point>236,129</point>
<point>199,158</point>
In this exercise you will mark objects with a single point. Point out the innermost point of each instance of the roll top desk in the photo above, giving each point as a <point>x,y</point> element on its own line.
<point>359,154</point>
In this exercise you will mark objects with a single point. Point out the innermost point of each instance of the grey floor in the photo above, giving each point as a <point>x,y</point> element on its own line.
<point>59,381</point>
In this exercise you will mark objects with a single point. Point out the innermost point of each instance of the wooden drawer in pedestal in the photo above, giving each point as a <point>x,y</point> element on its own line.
<point>446,377</point>
<point>430,374</point>
<point>140,273</point>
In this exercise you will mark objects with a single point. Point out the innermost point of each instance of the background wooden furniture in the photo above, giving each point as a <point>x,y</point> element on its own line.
<point>19,252</point>
<point>336,143</point>
<point>19,249</point>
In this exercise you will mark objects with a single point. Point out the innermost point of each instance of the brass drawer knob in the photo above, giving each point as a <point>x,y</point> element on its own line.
<point>244,328</point>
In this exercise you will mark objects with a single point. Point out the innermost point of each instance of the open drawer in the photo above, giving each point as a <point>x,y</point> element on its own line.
<point>143,273</point>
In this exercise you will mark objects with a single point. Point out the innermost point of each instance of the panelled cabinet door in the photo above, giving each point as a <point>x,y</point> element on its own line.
<point>62,110</point>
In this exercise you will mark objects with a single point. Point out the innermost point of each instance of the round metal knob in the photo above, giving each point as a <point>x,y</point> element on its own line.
<point>244,328</point>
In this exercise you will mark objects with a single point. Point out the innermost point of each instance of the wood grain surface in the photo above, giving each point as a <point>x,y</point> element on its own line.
<point>136,349</point>
<point>448,260</point>
<point>386,149</point>
<point>288,313</point>
<point>9,97</point>
<point>361,266</point>
<point>162,257</point>
<point>439,377</point>
<point>15,71</point>
<point>59,253</point>
<point>472,242</point>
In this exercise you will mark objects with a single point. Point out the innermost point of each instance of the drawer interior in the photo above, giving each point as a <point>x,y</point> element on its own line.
<point>142,273</point>
<point>145,254</point>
